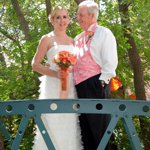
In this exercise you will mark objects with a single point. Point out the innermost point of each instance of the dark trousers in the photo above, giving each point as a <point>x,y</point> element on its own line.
<point>92,126</point>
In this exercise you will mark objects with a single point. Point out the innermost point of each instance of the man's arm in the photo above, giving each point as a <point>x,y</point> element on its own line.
<point>109,57</point>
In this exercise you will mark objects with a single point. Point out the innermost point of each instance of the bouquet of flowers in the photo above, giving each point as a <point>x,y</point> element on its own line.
<point>64,60</point>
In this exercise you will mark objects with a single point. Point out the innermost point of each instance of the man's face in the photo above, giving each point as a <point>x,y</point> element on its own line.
<point>84,18</point>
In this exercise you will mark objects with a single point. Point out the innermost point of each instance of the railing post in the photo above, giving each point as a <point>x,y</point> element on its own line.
<point>44,133</point>
<point>132,134</point>
<point>108,132</point>
<point>20,133</point>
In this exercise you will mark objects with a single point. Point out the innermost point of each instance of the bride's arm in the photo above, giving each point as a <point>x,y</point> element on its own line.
<point>37,65</point>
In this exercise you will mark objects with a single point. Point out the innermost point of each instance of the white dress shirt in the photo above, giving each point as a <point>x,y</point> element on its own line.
<point>103,49</point>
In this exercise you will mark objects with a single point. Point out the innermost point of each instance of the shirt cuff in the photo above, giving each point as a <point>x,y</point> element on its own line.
<point>106,77</point>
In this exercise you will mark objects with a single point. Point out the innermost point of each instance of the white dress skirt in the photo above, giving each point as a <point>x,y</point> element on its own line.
<point>63,128</point>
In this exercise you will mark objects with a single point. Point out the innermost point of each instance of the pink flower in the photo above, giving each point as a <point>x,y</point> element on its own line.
<point>89,34</point>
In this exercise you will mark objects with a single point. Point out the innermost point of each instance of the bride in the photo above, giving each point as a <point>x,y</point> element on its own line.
<point>63,129</point>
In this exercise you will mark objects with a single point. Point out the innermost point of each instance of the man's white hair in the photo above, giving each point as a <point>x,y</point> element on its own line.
<point>92,7</point>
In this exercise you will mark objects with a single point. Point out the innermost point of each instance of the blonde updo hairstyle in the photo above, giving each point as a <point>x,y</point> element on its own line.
<point>54,11</point>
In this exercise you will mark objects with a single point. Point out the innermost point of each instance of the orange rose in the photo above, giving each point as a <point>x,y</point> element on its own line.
<point>64,59</point>
<point>132,96</point>
<point>115,84</point>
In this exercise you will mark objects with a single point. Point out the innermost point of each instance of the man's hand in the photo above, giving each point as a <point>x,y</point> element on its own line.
<point>103,83</point>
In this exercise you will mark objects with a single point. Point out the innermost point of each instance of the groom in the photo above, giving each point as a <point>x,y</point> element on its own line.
<point>96,64</point>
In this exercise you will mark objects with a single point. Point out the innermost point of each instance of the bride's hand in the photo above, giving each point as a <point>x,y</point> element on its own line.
<point>63,73</point>
<point>47,65</point>
<point>70,69</point>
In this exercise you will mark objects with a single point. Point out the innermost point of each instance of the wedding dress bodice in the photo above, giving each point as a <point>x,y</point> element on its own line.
<point>50,86</point>
<point>54,50</point>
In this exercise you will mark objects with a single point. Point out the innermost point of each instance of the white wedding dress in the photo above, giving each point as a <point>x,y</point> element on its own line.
<point>63,128</point>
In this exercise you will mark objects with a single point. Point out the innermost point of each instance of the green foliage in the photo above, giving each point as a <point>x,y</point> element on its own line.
<point>12,124</point>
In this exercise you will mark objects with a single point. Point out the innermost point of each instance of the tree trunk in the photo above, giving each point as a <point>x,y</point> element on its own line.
<point>137,68</point>
<point>48,11</point>
<point>133,52</point>
<point>1,143</point>
<point>22,20</point>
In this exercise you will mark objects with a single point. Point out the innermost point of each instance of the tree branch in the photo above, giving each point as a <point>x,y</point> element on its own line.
<point>5,33</point>
<point>21,18</point>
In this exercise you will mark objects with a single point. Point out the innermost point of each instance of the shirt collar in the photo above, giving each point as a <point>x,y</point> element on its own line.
<point>92,27</point>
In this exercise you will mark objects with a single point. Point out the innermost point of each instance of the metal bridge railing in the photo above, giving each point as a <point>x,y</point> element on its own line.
<point>124,109</point>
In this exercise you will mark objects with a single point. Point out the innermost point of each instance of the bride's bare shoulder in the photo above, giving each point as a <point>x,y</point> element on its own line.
<point>47,39</point>
<point>47,36</point>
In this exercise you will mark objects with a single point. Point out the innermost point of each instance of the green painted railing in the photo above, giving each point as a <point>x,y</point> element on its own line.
<point>124,109</point>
